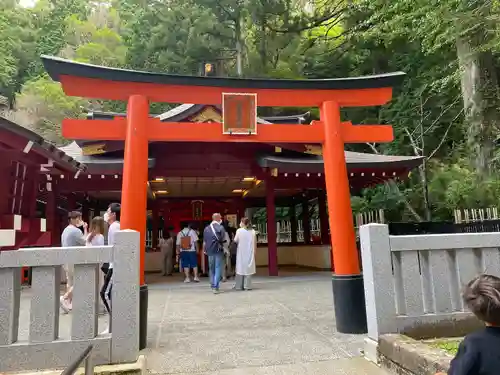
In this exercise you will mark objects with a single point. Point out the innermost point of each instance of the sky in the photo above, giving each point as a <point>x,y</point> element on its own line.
<point>27,3</point>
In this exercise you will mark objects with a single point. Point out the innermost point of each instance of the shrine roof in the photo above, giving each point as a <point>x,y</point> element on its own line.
<point>291,164</point>
<point>354,160</point>
<point>177,114</point>
<point>40,145</point>
<point>75,151</point>
<point>184,111</point>
<point>57,67</point>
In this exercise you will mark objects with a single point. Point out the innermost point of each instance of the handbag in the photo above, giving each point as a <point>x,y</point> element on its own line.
<point>105,268</point>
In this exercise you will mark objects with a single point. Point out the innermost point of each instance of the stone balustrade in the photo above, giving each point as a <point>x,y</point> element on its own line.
<point>413,283</point>
<point>44,348</point>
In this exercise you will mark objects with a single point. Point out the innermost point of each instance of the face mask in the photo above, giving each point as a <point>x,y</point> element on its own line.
<point>106,217</point>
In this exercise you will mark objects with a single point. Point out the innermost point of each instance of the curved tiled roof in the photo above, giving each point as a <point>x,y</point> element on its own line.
<point>57,67</point>
<point>75,151</point>
<point>353,160</point>
<point>59,155</point>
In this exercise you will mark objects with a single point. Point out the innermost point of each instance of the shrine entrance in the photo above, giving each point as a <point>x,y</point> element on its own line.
<point>240,99</point>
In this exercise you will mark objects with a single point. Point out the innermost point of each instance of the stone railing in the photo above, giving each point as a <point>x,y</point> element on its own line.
<point>413,283</point>
<point>44,348</point>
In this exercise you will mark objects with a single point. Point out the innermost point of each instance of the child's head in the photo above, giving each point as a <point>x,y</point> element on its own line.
<point>482,297</point>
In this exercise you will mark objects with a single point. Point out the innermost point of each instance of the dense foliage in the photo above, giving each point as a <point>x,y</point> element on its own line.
<point>447,110</point>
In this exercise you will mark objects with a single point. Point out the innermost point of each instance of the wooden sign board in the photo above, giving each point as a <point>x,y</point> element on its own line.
<point>232,219</point>
<point>197,209</point>
<point>239,113</point>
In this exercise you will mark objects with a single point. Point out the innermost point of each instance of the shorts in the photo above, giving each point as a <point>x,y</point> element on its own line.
<point>189,259</point>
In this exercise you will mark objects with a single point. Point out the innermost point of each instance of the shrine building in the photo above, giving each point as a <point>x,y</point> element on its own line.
<point>203,178</point>
<point>188,182</point>
<point>215,155</point>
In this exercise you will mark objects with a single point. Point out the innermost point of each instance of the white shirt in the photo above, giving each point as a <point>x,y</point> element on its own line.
<point>98,240</point>
<point>187,232</point>
<point>113,228</point>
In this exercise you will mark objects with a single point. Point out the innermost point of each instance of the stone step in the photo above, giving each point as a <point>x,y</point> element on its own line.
<point>136,368</point>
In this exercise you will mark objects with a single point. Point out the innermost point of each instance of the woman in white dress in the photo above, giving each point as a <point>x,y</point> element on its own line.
<point>246,241</point>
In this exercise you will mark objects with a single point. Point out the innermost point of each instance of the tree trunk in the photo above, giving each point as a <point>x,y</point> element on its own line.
<point>263,42</point>
<point>425,185</point>
<point>239,49</point>
<point>480,94</point>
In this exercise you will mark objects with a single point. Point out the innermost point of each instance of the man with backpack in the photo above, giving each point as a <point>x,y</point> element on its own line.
<point>187,249</point>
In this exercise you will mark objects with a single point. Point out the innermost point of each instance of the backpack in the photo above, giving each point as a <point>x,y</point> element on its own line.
<point>186,240</point>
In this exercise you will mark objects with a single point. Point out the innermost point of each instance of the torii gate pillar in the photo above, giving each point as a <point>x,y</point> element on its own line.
<point>134,191</point>
<point>347,280</point>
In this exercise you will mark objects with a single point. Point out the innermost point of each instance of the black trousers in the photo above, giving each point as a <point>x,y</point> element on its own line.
<point>106,290</point>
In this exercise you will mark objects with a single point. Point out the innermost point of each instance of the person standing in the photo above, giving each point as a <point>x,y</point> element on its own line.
<point>112,216</point>
<point>71,237</point>
<point>246,240</point>
<point>226,260</point>
<point>187,249</point>
<point>213,245</point>
<point>96,238</point>
<point>167,254</point>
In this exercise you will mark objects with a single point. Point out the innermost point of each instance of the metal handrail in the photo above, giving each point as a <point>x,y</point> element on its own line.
<point>85,356</point>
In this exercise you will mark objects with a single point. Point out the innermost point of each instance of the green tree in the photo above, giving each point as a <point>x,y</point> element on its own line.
<point>17,47</point>
<point>46,105</point>
<point>49,18</point>
<point>469,28</point>
<point>173,37</point>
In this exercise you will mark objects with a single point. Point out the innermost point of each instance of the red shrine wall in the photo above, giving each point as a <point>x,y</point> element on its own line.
<point>19,224</point>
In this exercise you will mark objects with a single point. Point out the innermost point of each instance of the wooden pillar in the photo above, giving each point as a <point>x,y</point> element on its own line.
<point>71,202</point>
<point>240,211</point>
<point>52,217</point>
<point>28,208</point>
<point>323,218</point>
<point>272,246</point>
<point>155,218</point>
<point>135,172</point>
<point>306,220</point>
<point>96,206</point>
<point>6,185</point>
<point>86,212</point>
<point>293,222</point>
<point>347,281</point>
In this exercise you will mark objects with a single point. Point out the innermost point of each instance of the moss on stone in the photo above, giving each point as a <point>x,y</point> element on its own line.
<point>448,345</point>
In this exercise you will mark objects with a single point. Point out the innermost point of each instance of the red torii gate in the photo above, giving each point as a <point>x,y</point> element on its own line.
<point>138,129</point>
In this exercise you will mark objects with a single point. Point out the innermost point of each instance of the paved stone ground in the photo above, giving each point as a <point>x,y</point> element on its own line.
<point>284,326</point>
